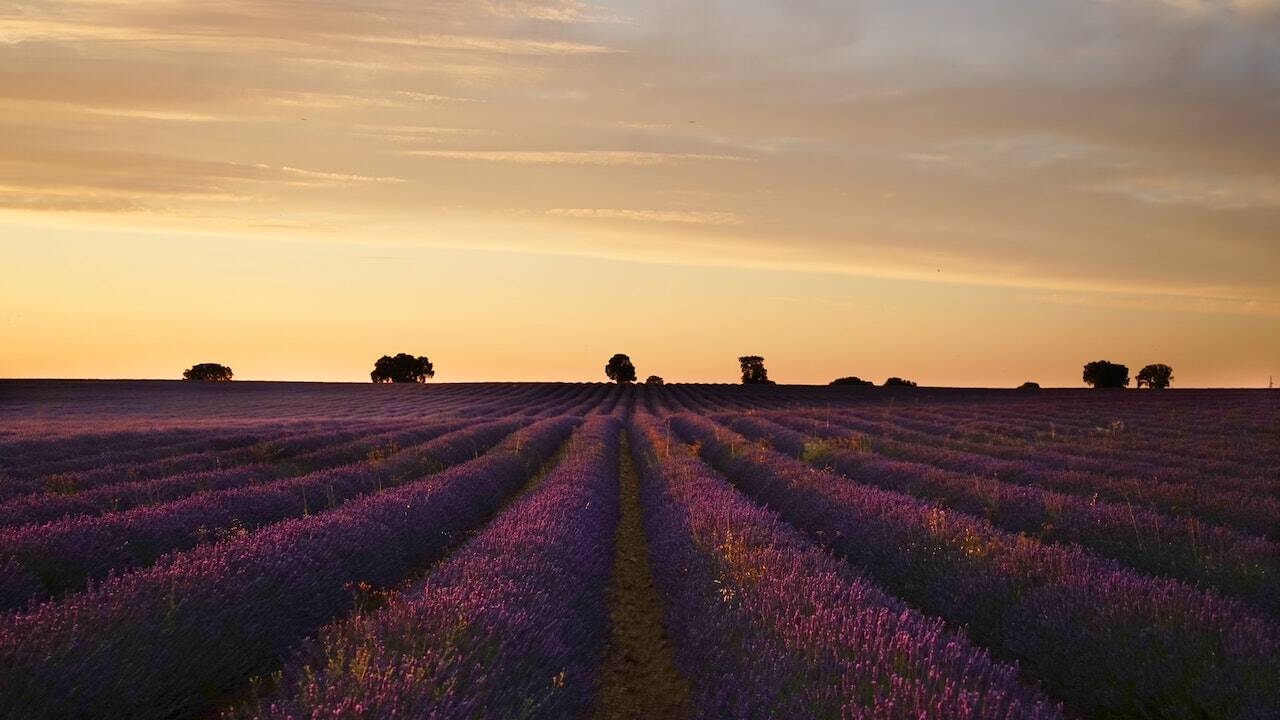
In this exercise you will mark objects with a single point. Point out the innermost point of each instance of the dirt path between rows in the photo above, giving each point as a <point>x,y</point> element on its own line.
<point>637,678</point>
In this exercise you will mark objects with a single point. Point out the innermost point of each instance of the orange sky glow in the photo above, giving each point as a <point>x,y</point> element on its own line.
<point>958,193</point>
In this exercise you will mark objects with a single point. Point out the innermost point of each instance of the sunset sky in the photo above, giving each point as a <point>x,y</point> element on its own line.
<point>962,193</point>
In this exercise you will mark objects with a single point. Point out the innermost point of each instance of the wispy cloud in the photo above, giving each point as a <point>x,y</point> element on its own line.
<point>149,183</point>
<point>575,157</point>
<point>509,46</point>
<point>204,32</point>
<point>810,301</point>
<point>1249,9</point>
<point>160,115</point>
<point>561,11</point>
<point>916,139</point>
<point>329,178</point>
<point>81,199</point>
<point>691,217</point>
<point>1165,303</point>
<point>1213,192</point>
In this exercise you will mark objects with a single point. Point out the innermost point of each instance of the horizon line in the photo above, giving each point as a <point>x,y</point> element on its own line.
<point>843,388</point>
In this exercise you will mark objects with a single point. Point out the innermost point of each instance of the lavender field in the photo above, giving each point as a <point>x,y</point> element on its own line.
<point>512,550</point>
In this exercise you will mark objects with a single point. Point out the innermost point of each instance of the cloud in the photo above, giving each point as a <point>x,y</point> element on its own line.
<point>161,115</point>
<point>511,46</point>
<point>88,199</point>
<point>903,138</point>
<point>575,157</point>
<point>1213,192</point>
<point>1200,9</point>
<point>329,178</point>
<point>692,217</point>
<point>38,180</point>
<point>1165,303</point>
<point>276,29</point>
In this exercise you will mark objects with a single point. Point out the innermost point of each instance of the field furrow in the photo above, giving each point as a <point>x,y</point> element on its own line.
<point>1184,548</point>
<point>1253,512</point>
<point>509,626</point>
<point>1095,452</point>
<point>220,614</point>
<point>638,678</point>
<point>767,625</point>
<point>47,560</point>
<point>1105,640</point>
<point>176,550</point>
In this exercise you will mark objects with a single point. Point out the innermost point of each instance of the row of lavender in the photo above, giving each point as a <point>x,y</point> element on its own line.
<point>1226,439</point>
<point>292,455</point>
<point>43,560</point>
<point>1168,436</point>
<point>767,625</point>
<point>1107,641</point>
<point>1179,437</point>
<point>92,459</point>
<point>175,640</point>
<point>510,626</point>
<point>1178,547</point>
<point>61,556</point>
<point>1246,504</point>
<point>38,415</point>
<point>1198,426</point>
<point>1243,504</point>
<point>533,611</point>
<point>764,622</point>
<point>270,457</point>
<point>1215,414</point>
<point>1094,453</point>
<point>296,454</point>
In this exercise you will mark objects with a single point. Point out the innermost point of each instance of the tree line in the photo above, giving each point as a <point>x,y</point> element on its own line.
<point>406,368</point>
<point>1105,374</point>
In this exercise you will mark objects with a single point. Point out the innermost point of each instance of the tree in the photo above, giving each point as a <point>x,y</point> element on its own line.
<point>1028,385</point>
<point>403,368</point>
<point>620,369</point>
<point>1103,374</point>
<point>898,382</point>
<point>207,371</point>
<point>852,380</point>
<point>653,380</point>
<point>1156,376</point>
<point>753,372</point>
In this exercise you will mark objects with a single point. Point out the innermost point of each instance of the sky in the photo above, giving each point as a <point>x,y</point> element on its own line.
<point>972,194</point>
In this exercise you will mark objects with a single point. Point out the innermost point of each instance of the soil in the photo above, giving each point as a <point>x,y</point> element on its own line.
<point>637,678</point>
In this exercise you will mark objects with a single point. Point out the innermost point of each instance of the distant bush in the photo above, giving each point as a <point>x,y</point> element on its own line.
<point>852,380</point>
<point>403,368</point>
<point>1029,385</point>
<point>207,371</point>
<point>753,372</point>
<point>620,370</point>
<point>898,382</point>
<point>1156,377</point>
<point>1104,374</point>
<point>653,380</point>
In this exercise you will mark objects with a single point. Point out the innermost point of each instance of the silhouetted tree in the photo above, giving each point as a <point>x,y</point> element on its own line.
<point>207,371</point>
<point>753,372</point>
<point>1156,376</point>
<point>898,382</point>
<point>852,380</point>
<point>620,369</point>
<point>1028,385</point>
<point>403,368</point>
<point>653,380</point>
<point>1104,374</point>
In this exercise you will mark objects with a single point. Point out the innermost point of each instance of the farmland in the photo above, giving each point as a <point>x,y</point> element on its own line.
<point>277,550</point>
